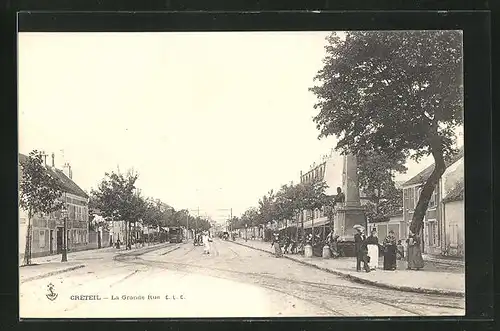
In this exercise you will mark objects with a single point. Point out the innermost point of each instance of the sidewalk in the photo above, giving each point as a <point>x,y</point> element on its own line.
<point>435,278</point>
<point>38,271</point>
<point>50,265</point>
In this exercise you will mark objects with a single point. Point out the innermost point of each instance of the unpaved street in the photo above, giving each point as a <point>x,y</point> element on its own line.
<point>233,281</point>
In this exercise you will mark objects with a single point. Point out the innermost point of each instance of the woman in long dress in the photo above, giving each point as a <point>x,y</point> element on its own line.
<point>390,250</point>
<point>373,247</point>
<point>415,260</point>
<point>276,244</point>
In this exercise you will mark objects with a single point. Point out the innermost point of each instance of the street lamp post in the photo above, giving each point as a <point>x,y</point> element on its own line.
<point>64,214</point>
<point>246,236</point>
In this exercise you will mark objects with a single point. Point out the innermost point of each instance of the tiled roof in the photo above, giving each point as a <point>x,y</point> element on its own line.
<point>456,194</point>
<point>423,175</point>
<point>68,185</point>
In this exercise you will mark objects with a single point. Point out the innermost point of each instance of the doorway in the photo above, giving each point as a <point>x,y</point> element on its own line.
<point>59,240</point>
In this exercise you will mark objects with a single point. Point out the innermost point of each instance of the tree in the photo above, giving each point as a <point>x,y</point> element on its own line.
<point>285,204</point>
<point>376,179</point>
<point>117,199</point>
<point>39,192</point>
<point>267,210</point>
<point>397,93</point>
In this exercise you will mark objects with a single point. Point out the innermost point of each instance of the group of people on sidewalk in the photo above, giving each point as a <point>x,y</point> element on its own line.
<point>367,250</point>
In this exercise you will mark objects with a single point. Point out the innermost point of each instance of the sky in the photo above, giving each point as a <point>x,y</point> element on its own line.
<point>208,120</point>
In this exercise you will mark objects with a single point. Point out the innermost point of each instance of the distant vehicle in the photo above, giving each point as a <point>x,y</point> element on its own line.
<point>225,235</point>
<point>175,234</point>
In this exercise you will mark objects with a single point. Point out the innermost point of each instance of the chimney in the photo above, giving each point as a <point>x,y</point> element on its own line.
<point>67,170</point>
<point>44,158</point>
<point>70,171</point>
<point>53,160</point>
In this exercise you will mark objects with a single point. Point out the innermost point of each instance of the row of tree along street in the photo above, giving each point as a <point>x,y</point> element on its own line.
<point>116,199</point>
<point>387,97</point>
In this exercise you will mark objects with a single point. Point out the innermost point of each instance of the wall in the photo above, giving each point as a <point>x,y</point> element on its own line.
<point>455,228</point>
<point>451,176</point>
<point>395,223</point>
<point>77,226</point>
<point>93,241</point>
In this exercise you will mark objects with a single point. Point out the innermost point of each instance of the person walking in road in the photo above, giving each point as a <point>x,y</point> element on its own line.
<point>373,249</point>
<point>276,244</point>
<point>390,250</point>
<point>206,243</point>
<point>415,260</point>
<point>361,249</point>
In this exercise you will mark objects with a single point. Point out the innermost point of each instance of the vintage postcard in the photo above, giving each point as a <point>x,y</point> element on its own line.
<point>241,174</point>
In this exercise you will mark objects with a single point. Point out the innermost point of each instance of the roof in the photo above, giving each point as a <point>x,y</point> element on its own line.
<point>423,175</point>
<point>68,184</point>
<point>456,194</point>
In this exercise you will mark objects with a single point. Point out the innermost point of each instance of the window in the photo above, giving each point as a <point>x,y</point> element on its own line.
<point>411,198</point>
<point>41,239</point>
<point>433,200</point>
<point>432,233</point>
<point>71,212</point>
<point>418,190</point>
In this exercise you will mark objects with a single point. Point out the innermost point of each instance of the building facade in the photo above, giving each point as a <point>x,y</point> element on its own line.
<point>48,229</point>
<point>395,223</point>
<point>453,210</point>
<point>434,231</point>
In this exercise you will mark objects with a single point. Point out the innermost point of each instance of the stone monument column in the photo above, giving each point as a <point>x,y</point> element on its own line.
<point>351,213</point>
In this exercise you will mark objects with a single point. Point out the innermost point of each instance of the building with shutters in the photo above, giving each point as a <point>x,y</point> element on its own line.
<point>435,230</point>
<point>47,230</point>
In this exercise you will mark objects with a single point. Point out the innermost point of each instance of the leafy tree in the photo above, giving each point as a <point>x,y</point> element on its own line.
<point>117,199</point>
<point>235,223</point>
<point>397,93</point>
<point>266,212</point>
<point>285,204</point>
<point>39,192</point>
<point>250,217</point>
<point>376,179</point>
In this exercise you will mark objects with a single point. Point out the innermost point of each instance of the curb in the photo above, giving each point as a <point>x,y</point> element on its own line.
<point>173,249</point>
<point>142,251</point>
<point>52,273</point>
<point>366,281</point>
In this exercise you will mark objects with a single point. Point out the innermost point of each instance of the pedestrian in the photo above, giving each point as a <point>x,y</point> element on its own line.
<point>206,243</point>
<point>361,249</point>
<point>390,250</point>
<point>373,249</point>
<point>332,241</point>
<point>400,250</point>
<point>286,245</point>
<point>276,244</point>
<point>415,260</point>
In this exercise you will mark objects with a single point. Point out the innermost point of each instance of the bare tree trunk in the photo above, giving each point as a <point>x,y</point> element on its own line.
<point>428,188</point>
<point>27,249</point>
<point>126,235</point>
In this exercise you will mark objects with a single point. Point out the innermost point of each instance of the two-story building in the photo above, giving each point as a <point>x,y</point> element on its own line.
<point>47,230</point>
<point>433,231</point>
<point>453,210</point>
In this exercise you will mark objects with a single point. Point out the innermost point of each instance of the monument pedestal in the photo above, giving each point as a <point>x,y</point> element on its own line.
<point>347,217</point>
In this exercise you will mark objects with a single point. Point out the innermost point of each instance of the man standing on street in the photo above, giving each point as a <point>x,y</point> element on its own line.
<point>361,249</point>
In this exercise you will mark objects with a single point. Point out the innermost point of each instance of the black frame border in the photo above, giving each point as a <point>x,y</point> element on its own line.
<point>478,124</point>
